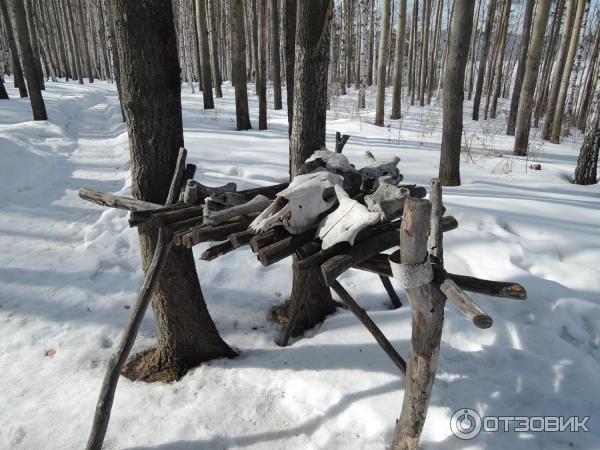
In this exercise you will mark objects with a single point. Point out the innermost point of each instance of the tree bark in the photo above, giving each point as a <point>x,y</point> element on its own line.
<point>531,71</point>
<point>384,44</point>
<point>290,60</point>
<point>364,49</point>
<point>399,62</point>
<point>499,62</point>
<point>203,39</point>
<point>524,47</point>
<point>587,162</point>
<point>275,63</point>
<point>425,51</point>
<point>31,75</point>
<point>261,83</point>
<point>150,81</point>
<point>14,52</point>
<point>33,38</point>
<point>84,42</point>
<point>483,57</point>
<point>214,49</point>
<point>238,64</point>
<point>310,299</point>
<point>454,76</point>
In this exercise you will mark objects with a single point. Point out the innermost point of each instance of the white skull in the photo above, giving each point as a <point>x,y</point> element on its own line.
<point>333,161</point>
<point>376,169</point>
<point>343,224</point>
<point>298,207</point>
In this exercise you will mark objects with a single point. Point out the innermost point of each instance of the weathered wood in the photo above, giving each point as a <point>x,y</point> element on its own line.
<point>268,191</point>
<point>240,238</point>
<point>217,250</point>
<point>256,205</point>
<point>116,201</point>
<point>360,313</point>
<point>167,215</point>
<point>267,238</point>
<point>340,141</point>
<point>381,241</point>
<point>117,360</point>
<point>466,304</point>
<point>175,187</point>
<point>436,248</point>
<point>285,247</point>
<point>427,308</point>
<point>387,284</point>
<point>190,171</point>
<point>380,265</point>
<point>203,233</point>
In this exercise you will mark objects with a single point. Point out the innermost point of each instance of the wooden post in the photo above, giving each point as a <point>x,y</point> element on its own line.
<point>427,305</point>
<point>437,210</point>
<point>340,141</point>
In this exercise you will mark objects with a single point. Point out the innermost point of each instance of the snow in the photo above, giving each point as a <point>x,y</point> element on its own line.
<point>70,269</point>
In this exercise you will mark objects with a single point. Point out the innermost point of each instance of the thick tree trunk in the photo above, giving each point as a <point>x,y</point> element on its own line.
<point>33,38</point>
<point>587,162</point>
<point>311,299</point>
<point>531,71</point>
<point>399,62</point>
<point>214,49</point>
<point>290,60</point>
<point>238,64</point>
<point>384,44</point>
<point>150,82</point>
<point>454,76</point>
<point>559,66</point>
<point>590,84</point>
<point>14,52</point>
<point>261,84</point>
<point>566,75</point>
<point>31,75</point>
<point>483,57</point>
<point>203,39</point>
<point>524,47</point>
<point>275,63</point>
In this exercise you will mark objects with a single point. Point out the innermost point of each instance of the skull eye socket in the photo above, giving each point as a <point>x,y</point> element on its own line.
<point>299,206</point>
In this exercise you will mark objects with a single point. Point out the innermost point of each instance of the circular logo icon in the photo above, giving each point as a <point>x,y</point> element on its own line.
<point>465,423</point>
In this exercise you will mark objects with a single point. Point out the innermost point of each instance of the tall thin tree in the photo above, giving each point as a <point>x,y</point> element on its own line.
<point>238,64</point>
<point>483,58</point>
<point>261,84</point>
<point>275,62</point>
<point>384,44</point>
<point>203,39</point>
<point>399,62</point>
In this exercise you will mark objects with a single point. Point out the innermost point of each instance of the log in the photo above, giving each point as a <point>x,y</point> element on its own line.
<point>166,214</point>
<point>427,308</point>
<point>340,141</point>
<point>387,284</point>
<point>267,238</point>
<point>256,205</point>
<point>338,264</point>
<point>436,248</point>
<point>240,238</point>
<point>116,201</point>
<point>117,360</point>
<point>203,233</point>
<point>380,265</point>
<point>466,305</point>
<point>285,247</point>
<point>217,250</point>
<point>360,313</point>
<point>175,187</point>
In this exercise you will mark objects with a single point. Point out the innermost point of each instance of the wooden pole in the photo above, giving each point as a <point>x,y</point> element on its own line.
<point>427,306</point>
<point>387,284</point>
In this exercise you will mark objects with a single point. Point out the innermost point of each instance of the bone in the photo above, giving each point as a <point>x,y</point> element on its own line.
<point>331,161</point>
<point>343,224</point>
<point>258,203</point>
<point>387,200</point>
<point>196,192</point>
<point>376,169</point>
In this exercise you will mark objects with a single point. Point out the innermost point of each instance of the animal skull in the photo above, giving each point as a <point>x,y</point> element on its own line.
<point>343,224</point>
<point>335,162</point>
<point>388,199</point>
<point>375,169</point>
<point>298,207</point>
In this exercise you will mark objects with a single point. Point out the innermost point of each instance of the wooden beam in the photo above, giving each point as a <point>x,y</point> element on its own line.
<point>175,188</point>
<point>116,201</point>
<point>466,305</point>
<point>387,284</point>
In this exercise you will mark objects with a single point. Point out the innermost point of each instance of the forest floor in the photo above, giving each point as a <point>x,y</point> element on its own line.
<point>69,272</point>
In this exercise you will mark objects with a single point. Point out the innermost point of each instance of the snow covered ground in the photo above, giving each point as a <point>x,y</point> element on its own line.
<point>69,271</point>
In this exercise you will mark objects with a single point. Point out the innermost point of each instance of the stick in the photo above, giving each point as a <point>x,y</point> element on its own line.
<point>116,201</point>
<point>387,284</point>
<point>427,308</point>
<point>340,141</point>
<point>369,325</point>
<point>466,304</point>
<point>202,233</point>
<point>217,250</point>
<point>436,236</point>
<point>117,360</point>
<point>240,238</point>
<point>175,187</point>
<point>282,249</point>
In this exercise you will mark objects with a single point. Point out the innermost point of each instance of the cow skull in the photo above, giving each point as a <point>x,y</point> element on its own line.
<point>388,199</point>
<point>343,224</point>
<point>375,169</point>
<point>298,207</point>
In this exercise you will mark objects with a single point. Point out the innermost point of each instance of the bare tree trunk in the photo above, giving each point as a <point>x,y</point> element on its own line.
<point>399,62</point>
<point>412,71</point>
<point>275,63</point>
<point>238,64</point>
<point>311,299</point>
<point>207,94</point>
<point>31,75</point>
<point>483,57</point>
<point>84,42</point>
<point>371,52</point>
<point>384,44</point>
<point>574,84</point>
<point>349,20</point>
<point>587,162</point>
<point>33,38</point>
<point>364,48</point>
<point>499,60</point>
<point>214,49</point>
<point>14,52</point>
<point>150,79</point>
<point>290,61</point>
<point>531,71</point>
<point>262,65</point>
<point>564,85</point>
<point>254,19</point>
<point>473,49</point>
<point>454,75</point>
<point>524,47</point>
<point>434,52</point>
<point>424,51</point>
<point>590,84</point>
<point>559,65</point>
